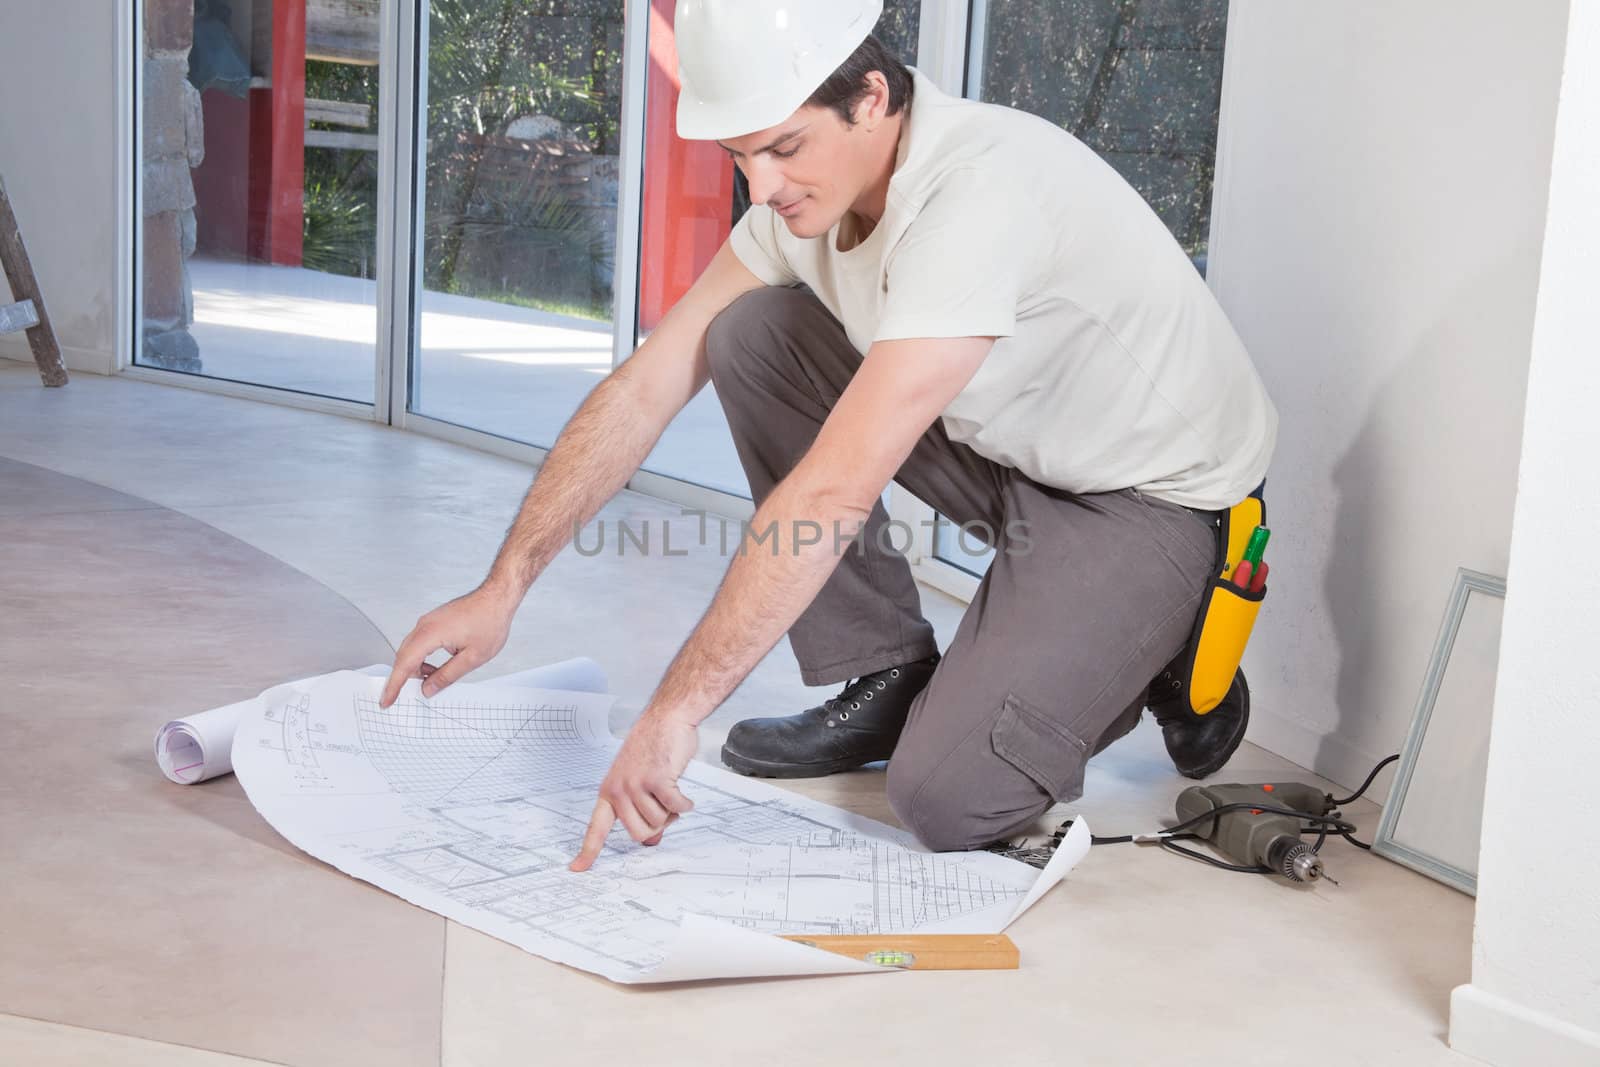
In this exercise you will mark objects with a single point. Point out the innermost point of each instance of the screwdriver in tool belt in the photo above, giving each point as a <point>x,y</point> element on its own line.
<point>1251,573</point>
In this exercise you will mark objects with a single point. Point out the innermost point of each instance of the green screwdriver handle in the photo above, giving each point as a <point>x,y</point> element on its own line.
<point>1257,546</point>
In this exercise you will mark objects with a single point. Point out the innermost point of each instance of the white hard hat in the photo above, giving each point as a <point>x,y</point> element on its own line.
<point>745,65</point>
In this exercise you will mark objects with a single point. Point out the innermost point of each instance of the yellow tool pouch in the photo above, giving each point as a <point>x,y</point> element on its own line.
<point>1227,613</point>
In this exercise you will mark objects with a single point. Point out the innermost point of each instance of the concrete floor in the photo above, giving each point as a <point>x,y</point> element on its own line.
<point>268,534</point>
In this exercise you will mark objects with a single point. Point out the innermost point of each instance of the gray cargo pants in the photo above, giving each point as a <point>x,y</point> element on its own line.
<point>1051,659</point>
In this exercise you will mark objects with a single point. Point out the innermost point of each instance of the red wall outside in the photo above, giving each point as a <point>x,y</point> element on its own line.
<point>688,186</point>
<point>250,189</point>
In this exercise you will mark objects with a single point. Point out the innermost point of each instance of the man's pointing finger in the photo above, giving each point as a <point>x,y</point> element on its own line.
<point>595,838</point>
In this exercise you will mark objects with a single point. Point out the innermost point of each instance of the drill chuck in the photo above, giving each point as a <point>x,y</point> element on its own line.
<point>1295,862</point>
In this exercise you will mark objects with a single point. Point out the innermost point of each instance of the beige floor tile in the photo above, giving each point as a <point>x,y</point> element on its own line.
<point>167,912</point>
<point>34,490</point>
<point>42,1044</point>
<point>1142,958</point>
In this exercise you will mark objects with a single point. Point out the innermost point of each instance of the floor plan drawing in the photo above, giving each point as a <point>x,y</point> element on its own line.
<point>473,803</point>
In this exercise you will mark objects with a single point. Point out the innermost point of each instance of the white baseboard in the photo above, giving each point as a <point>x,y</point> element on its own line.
<point>1506,1034</point>
<point>1326,754</point>
<point>88,360</point>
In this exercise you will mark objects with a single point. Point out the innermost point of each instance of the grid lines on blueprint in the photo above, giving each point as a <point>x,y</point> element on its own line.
<point>474,752</point>
<point>912,888</point>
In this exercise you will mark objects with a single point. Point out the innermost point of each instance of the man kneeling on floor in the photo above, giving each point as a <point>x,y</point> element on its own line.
<point>994,319</point>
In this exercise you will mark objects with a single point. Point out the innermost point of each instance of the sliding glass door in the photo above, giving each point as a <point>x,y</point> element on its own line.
<point>418,205</point>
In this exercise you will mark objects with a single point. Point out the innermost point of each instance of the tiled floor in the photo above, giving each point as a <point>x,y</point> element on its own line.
<point>121,608</point>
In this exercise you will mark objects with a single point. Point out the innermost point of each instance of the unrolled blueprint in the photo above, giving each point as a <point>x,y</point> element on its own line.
<point>472,803</point>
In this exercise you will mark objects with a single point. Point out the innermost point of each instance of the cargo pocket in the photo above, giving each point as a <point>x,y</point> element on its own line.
<point>1037,746</point>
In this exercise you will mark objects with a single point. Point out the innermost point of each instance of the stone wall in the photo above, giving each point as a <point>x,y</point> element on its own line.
<point>174,141</point>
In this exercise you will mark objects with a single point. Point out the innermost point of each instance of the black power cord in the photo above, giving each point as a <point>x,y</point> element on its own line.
<point>1364,785</point>
<point>1357,796</point>
<point>1203,858</point>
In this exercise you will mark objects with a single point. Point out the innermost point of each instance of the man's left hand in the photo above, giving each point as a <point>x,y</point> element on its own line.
<point>641,789</point>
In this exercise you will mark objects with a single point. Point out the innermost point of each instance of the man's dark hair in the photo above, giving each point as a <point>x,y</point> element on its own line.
<point>846,86</point>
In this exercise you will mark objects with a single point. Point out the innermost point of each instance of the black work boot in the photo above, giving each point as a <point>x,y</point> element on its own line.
<point>858,726</point>
<point>1199,744</point>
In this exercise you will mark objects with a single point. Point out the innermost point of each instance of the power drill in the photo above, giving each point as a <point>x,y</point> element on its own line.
<point>1250,836</point>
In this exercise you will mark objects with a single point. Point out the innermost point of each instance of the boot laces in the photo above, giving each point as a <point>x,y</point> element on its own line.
<point>853,696</point>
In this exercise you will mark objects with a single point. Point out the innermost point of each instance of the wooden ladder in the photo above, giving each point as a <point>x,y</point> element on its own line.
<point>28,313</point>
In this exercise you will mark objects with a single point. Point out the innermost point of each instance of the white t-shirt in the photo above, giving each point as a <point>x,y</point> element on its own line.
<point>1115,367</point>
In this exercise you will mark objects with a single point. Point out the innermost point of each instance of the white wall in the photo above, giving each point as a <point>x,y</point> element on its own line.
<point>58,100</point>
<point>1535,992</point>
<point>1381,179</point>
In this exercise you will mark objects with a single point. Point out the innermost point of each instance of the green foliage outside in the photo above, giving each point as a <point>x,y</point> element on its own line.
<point>340,231</point>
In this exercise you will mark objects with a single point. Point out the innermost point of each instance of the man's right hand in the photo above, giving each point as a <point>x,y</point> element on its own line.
<point>472,628</point>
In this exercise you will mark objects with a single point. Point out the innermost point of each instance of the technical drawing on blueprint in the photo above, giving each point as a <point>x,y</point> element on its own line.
<point>472,804</point>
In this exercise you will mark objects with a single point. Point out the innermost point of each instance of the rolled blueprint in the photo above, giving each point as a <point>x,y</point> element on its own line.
<point>182,745</point>
<point>199,747</point>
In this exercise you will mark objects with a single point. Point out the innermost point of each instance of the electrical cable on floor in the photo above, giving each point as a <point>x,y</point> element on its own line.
<point>1364,785</point>
<point>1203,858</point>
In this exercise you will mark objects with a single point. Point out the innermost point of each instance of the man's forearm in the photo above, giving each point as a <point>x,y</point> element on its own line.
<point>765,590</point>
<point>594,456</point>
